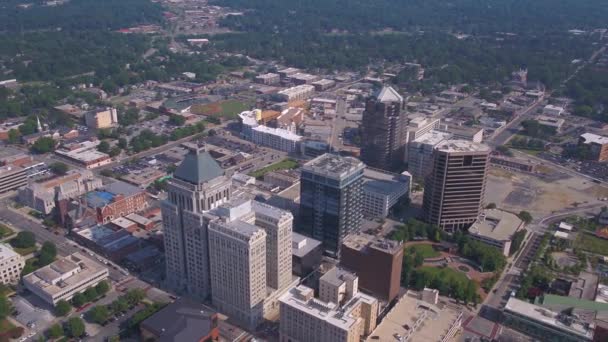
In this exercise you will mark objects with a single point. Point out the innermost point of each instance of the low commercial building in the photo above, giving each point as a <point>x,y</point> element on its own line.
<point>544,324</point>
<point>302,78</point>
<point>306,254</point>
<point>41,196</point>
<point>144,177</point>
<point>12,178</point>
<point>276,138</point>
<point>65,277</point>
<point>465,133</point>
<point>107,241</point>
<point>382,190</point>
<point>11,265</point>
<point>282,178</point>
<point>550,122</point>
<point>323,84</point>
<point>553,110</point>
<point>598,145</point>
<point>288,72</point>
<point>85,154</point>
<point>340,314</point>
<point>496,228</point>
<point>413,319</point>
<point>297,93</point>
<point>182,320</point>
<point>268,79</point>
<point>512,164</point>
<point>99,119</point>
<point>376,261</point>
<point>116,200</point>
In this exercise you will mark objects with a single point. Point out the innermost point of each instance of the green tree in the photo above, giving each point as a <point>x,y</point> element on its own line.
<point>122,143</point>
<point>114,151</point>
<point>102,287</point>
<point>5,307</point>
<point>24,240</point>
<point>177,120</point>
<point>418,260</point>
<point>119,305</point>
<point>55,331</point>
<point>99,314</point>
<point>59,168</point>
<point>14,136</point>
<point>525,216</point>
<point>62,308</point>
<point>134,296</point>
<point>103,147</point>
<point>47,254</point>
<point>75,327</point>
<point>43,145</point>
<point>90,294</point>
<point>79,300</point>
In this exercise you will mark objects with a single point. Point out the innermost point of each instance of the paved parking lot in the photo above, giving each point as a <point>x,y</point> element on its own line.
<point>32,312</point>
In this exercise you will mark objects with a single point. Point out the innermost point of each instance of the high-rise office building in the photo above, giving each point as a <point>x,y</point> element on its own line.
<point>384,130</point>
<point>198,185</point>
<point>454,189</point>
<point>330,199</point>
<point>250,259</point>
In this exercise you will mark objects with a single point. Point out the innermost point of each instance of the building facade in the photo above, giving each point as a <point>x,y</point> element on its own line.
<point>454,190</point>
<point>384,130</point>
<point>99,119</point>
<point>376,261</point>
<point>11,265</point>
<point>382,190</point>
<point>496,228</point>
<point>330,199</point>
<point>12,178</point>
<point>340,314</point>
<point>420,153</point>
<point>598,146</point>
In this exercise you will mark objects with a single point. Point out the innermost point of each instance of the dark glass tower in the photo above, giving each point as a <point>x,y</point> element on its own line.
<point>330,200</point>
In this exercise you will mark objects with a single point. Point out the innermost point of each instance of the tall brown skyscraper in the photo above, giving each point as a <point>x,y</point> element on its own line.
<point>454,189</point>
<point>384,130</point>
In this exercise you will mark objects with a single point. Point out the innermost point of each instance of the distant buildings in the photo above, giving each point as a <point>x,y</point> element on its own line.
<point>12,177</point>
<point>382,190</point>
<point>496,228</point>
<point>99,119</point>
<point>42,196</point>
<point>323,84</point>
<point>65,277</point>
<point>331,199</point>
<point>550,122</point>
<point>11,265</point>
<point>182,320</point>
<point>512,164</point>
<point>268,79</point>
<point>465,133</point>
<point>277,138</point>
<point>297,93</point>
<point>553,110</point>
<point>544,324</point>
<point>598,146</point>
<point>455,187</point>
<point>376,261</point>
<point>420,152</point>
<point>84,154</point>
<point>383,130</point>
<point>340,314</point>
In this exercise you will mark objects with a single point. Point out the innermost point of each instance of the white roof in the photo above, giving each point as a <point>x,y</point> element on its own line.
<point>594,138</point>
<point>388,94</point>
<point>283,133</point>
<point>552,107</point>
<point>562,235</point>
<point>565,226</point>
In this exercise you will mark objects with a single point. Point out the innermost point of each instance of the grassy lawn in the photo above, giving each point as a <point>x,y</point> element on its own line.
<point>427,251</point>
<point>25,251</point>
<point>284,164</point>
<point>591,244</point>
<point>228,109</point>
<point>5,326</point>
<point>444,273</point>
<point>5,231</point>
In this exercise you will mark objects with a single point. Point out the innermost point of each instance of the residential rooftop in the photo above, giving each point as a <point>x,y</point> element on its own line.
<point>496,224</point>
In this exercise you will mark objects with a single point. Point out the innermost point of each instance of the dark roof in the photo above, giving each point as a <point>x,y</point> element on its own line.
<point>198,167</point>
<point>183,320</point>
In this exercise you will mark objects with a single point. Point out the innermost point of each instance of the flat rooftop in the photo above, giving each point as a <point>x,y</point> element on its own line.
<point>337,276</point>
<point>433,137</point>
<point>548,317</point>
<point>591,138</point>
<point>302,245</point>
<point>6,252</point>
<point>54,278</point>
<point>453,146</point>
<point>432,322</point>
<point>361,241</point>
<point>333,165</point>
<point>496,224</point>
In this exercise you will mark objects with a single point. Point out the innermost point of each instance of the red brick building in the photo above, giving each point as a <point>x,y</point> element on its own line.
<point>115,200</point>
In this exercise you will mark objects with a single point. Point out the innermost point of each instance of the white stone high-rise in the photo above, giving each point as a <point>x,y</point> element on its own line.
<point>237,252</point>
<point>198,185</point>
